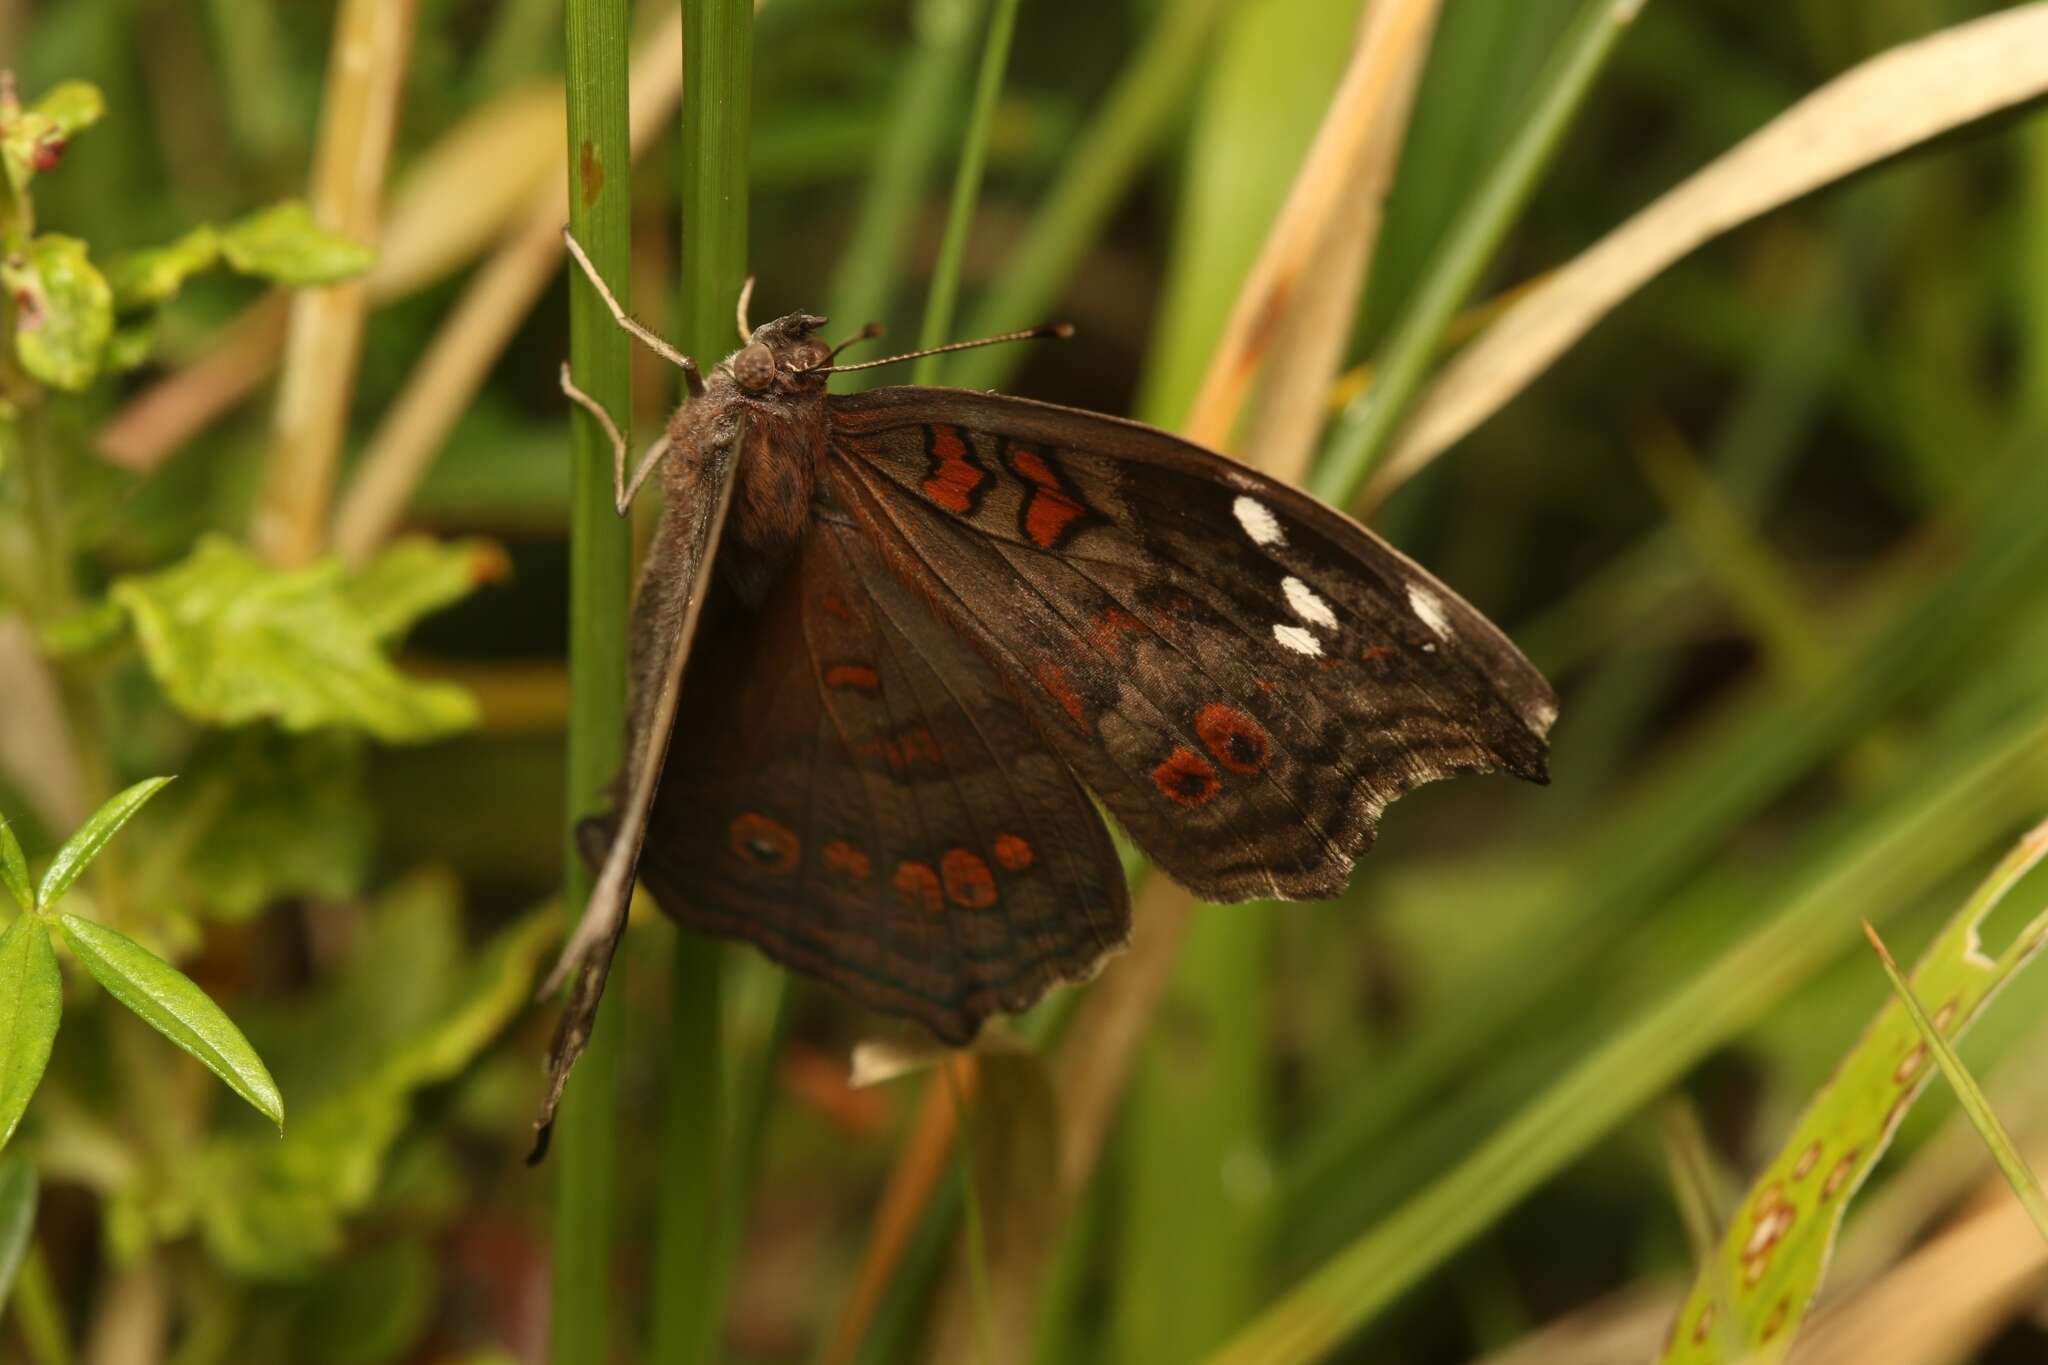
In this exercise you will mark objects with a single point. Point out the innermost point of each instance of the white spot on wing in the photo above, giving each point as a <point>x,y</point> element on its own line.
<point>1258,521</point>
<point>1306,604</point>
<point>1429,609</point>
<point>1298,640</point>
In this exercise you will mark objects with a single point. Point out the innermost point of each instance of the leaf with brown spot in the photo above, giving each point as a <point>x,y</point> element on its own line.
<point>1749,1301</point>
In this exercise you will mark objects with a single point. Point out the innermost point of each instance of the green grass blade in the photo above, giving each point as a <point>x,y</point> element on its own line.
<point>1753,1293</point>
<point>1928,822</point>
<point>81,848</point>
<point>945,290</point>
<point>1095,177</point>
<point>1367,426</point>
<point>169,1002</point>
<point>14,869</point>
<point>699,1202</point>
<point>600,209</point>
<point>31,1006</point>
<point>1982,1117</point>
<point>18,1189</point>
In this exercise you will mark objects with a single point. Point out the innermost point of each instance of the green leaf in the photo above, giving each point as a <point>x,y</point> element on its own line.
<point>18,1190</point>
<point>14,868</point>
<point>283,243</point>
<point>131,347</point>
<point>167,1000</point>
<point>417,576</point>
<point>413,1008</point>
<point>92,836</point>
<point>1752,1296</point>
<point>157,273</point>
<point>33,140</point>
<point>63,310</point>
<point>233,640</point>
<point>31,1004</point>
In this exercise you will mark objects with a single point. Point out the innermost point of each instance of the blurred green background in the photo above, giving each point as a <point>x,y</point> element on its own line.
<point>1777,529</point>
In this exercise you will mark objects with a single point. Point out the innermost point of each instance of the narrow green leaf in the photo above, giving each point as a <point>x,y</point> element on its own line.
<point>14,868</point>
<point>284,244</point>
<point>18,1189</point>
<point>157,273</point>
<point>63,310</point>
<point>1753,1293</point>
<point>81,848</point>
<point>1982,1117</point>
<point>31,1003</point>
<point>167,1000</point>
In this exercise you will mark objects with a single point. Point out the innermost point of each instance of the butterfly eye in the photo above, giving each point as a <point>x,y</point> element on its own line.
<point>753,369</point>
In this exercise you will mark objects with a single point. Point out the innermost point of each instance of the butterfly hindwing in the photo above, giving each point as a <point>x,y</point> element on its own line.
<point>1243,676</point>
<point>860,798</point>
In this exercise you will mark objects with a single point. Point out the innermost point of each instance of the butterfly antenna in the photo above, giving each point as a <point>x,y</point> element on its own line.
<point>647,336</point>
<point>1062,330</point>
<point>740,312</point>
<point>867,333</point>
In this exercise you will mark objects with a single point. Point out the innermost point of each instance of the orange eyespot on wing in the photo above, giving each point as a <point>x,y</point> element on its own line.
<point>919,887</point>
<point>764,843</point>
<point>1239,743</point>
<point>1185,779</point>
<point>968,880</point>
<point>846,860</point>
<point>1013,854</point>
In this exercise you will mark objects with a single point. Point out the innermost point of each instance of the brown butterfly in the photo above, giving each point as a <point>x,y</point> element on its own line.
<point>908,631</point>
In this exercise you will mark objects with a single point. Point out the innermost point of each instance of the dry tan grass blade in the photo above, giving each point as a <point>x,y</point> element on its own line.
<point>1890,103</point>
<point>1333,182</point>
<point>475,333</point>
<point>358,121</point>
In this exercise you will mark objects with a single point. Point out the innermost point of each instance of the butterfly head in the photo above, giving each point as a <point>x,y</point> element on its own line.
<point>782,359</point>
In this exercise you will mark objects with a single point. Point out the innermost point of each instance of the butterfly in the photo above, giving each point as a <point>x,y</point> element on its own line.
<point>904,635</point>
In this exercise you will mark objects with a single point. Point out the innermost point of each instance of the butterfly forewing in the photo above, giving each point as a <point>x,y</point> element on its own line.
<point>868,805</point>
<point>1243,676</point>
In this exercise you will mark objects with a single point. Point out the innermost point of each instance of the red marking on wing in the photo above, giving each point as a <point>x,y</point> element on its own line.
<point>955,478</point>
<point>919,887</point>
<point>761,842</point>
<point>1185,779</point>
<point>1013,854</point>
<point>1239,742</point>
<point>1053,679</point>
<point>835,605</point>
<point>1110,625</point>
<point>1050,509</point>
<point>846,860</point>
<point>858,676</point>
<point>1375,653</point>
<point>904,749</point>
<point>968,880</point>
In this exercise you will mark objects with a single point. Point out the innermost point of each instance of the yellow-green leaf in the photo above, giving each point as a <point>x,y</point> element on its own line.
<point>167,1000</point>
<point>31,1005</point>
<point>1749,1301</point>
<point>156,273</point>
<point>33,140</point>
<point>92,836</point>
<point>14,868</point>
<point>233,640</point>
<point>63,310</point>
<point>418,575</point>
<point>284,244</point>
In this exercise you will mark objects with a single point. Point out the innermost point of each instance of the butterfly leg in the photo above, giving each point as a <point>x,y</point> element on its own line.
<point>623,488</point>
<point>693,380</point>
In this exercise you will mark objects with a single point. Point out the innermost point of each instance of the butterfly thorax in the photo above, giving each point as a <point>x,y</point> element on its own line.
<point>769,398</point>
